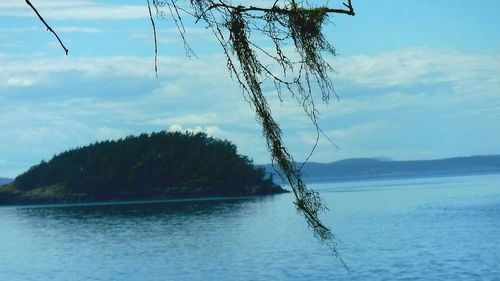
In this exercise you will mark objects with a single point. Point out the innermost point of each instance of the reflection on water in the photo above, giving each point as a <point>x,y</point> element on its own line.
<point>439,228</point>
<point>139,210</point>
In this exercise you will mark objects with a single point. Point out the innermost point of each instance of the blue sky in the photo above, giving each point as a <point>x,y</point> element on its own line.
<point>416,80</point>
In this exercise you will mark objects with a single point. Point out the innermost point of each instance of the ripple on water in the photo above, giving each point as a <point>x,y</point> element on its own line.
<point>412,232</point>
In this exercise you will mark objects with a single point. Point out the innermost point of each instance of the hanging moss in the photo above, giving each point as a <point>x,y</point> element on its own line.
<point>302,25</point>
<point>306,23</point>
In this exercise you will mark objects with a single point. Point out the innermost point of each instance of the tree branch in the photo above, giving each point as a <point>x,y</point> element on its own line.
<point>155,40</point>
<point>276,9</point>
<point>47,26</point>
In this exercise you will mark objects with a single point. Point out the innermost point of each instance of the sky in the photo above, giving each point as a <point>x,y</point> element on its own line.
<point>416,80</point>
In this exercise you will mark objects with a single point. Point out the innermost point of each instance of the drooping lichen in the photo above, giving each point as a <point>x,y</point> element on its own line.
<point>305,29</point>
<point>301,72</point>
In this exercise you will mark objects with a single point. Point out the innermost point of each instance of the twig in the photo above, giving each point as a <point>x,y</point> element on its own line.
<point>154,35</point>
<point>47,26</point>
<point>349,6</point>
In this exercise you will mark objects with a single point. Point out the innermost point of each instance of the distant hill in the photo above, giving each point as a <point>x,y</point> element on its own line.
<point>150,166</point>
<point>5,180</point>
<point>368,168</point>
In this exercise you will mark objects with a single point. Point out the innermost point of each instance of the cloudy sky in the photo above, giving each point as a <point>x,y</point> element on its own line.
<point>416,80</point>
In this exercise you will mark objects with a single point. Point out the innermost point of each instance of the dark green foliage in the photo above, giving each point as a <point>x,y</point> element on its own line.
<point>158,165</point>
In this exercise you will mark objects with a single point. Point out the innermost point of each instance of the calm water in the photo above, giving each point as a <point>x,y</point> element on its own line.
<point>415,229</point>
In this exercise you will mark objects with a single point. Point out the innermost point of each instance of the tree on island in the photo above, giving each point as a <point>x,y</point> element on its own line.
<point>162,165</point>
<point>296,71</point>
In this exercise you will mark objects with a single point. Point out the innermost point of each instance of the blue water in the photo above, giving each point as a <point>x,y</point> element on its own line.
<point>414,229</point>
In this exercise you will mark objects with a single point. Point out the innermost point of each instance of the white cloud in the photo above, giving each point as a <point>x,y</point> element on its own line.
<point>212,131</point>
<point>168,36</point>
<point>78,29</point>
<point>357,132</point>
<point>202,119</point>
<point>418,65</point>
<point>74,10</point>
<point>48,105</point>
<point>60,29</point>
<point>19,82</point>
<point>386,69</point>
<point>42,70</point>
<point>106,133</point>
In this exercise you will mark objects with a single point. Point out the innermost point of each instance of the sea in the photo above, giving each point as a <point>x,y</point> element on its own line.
<point>436,228</point>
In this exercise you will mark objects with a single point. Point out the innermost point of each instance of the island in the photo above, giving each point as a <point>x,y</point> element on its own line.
<point>163,165</point>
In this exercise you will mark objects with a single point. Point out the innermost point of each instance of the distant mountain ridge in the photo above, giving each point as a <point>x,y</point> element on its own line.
<point>369,168</point>
<point>5,180</point>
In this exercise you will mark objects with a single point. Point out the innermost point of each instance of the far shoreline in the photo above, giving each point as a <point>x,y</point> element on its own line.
<point>314,180</point>
<point>138,202</point>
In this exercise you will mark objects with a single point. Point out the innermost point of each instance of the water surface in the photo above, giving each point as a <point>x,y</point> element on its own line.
<point>414,229</point>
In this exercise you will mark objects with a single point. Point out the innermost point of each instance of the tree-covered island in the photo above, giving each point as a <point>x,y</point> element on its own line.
<point>160,165</point>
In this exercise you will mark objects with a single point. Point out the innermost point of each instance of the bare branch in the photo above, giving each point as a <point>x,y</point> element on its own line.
<point>276,9</point>
<point>349,6</point>
<point>47,26</point>
<point>155,40</point>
